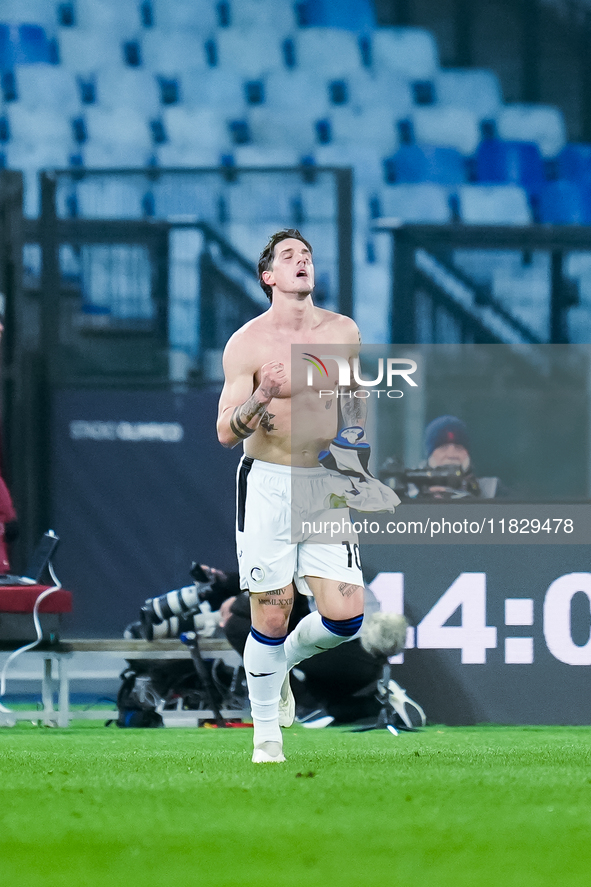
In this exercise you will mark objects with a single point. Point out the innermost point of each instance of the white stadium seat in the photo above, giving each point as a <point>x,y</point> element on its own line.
<point>408,51</point>
<point>415,203</point>
<point>136,88</point>
<point>172,53</point>
<point>478,90</point>
<point>34,128</point>
<point>446,126</point>
<point>542,124</point>
<point>328,51</point>
<point>121,127</point>
<point>198,16</point>
<point>202,128</point>
<point>109,16</point>
<point>493,205</point>
<point>213,88</point>
<point>251,53</point>
<point>251,14</point>
<point>87,53</point>
<point>47,86</point>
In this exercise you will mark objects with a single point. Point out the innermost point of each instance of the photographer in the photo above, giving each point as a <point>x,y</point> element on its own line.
<point>448,473</point>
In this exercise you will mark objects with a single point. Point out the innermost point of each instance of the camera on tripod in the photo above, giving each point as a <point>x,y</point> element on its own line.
<point>410,483</point>
<point>181,610</point>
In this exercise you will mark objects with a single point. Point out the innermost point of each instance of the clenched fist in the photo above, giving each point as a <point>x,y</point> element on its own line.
<point>273,377</point>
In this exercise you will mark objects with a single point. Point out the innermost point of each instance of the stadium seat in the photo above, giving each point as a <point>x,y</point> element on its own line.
<point>31,129</point>
<point>213,88</point>
<point>278,16</point>
<point>137,88</point>
<point>533,123</point>
<point>251,53</point>
<point>565,203</point>
<point>365,161</point>
<point>276,130</point>
<point>446,126</point>
<point>173,53</point>
<point>371,128</point>
<point>106,198</point>
<point>354,15</point>
<point>328,52</point>
<point>198,16</point>
<point>408,51</point>
<point>519,163</point>
<point>39,11</point>
<point>429,163</point>
<point>23,45</point>
<point>426,203</point>
<point>173,155</point>
<point>121,129</point>
<point>127,155</point>
<point>574,163</point>
<point>297,91</point>
<point>200,128</point>
<point>108,16</point>
<point>493,205</point>
<point>84,53</point>
<point>262,155</point>
<point>478,90</point>
<point>47,86</point>
<point>383,92</point>
<point>197,198</point>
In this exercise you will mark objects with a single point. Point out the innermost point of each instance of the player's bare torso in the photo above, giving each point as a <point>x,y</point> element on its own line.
<point>297,423</point>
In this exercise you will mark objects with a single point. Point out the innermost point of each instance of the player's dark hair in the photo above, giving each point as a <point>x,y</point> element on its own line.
<point>268,254</point>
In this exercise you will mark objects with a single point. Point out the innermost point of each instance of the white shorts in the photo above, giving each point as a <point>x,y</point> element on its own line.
<point>267,557</point>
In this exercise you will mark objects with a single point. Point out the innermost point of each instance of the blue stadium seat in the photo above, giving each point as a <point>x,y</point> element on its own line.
<point>446,126</point>
<point>574,163</point>
<point>542,124</point>
<point>499,161</point>
<point>429,163</point>
<point>478,90</point>
<point>408,51</point>
<point>353,15</point>
<point>425,203</point>
<point>493,205</point>
<point>565,203</point>
<point>23,45</point>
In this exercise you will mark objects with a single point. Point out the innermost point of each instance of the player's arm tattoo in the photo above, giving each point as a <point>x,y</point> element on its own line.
<point>353,409</point>
<point>242,417</point>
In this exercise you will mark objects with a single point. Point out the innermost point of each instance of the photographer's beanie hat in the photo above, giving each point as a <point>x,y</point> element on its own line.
<point>445,430</point>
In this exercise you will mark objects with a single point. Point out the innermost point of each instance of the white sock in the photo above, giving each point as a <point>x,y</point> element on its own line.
<point>265,668</point>
<point>311,636</point>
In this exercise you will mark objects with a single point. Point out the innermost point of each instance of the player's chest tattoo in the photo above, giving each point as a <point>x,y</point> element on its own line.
<point>266,421</point>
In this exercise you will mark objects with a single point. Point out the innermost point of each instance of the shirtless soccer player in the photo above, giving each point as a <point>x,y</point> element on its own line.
<point>256,408</point>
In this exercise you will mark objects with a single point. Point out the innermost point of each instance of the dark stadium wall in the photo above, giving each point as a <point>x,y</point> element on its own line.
<point>140,488</point>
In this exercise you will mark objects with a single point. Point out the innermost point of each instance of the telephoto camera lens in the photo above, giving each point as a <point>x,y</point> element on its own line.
<point>179,602</point>
<point>171,628</point>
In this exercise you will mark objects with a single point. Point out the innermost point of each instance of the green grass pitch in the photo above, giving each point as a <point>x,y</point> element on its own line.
<point>503,806</point>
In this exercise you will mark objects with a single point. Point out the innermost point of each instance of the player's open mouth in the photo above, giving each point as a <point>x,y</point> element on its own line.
<point>302,273</point>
